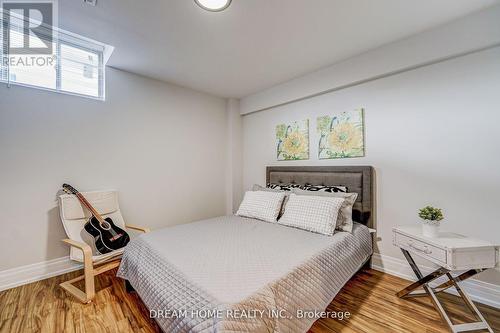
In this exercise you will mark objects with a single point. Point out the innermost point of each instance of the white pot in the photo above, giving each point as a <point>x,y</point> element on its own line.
<point>430,228</point>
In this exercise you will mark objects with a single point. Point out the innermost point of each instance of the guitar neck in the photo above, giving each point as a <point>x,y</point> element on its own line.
<point>89,207</point>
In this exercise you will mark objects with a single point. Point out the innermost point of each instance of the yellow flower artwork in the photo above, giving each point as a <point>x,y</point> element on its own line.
<point>292,141</point>
<point>341,135</point>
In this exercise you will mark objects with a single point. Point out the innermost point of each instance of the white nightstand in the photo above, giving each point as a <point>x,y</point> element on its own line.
<point>452,252</point>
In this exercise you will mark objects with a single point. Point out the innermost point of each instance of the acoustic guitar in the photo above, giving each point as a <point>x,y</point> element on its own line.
<point>107,236</point>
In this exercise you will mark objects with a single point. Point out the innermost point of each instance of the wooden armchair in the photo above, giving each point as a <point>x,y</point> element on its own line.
<point>74,216</point>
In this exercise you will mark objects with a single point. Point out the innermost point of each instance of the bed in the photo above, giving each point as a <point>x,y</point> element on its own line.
<point>235,274</point>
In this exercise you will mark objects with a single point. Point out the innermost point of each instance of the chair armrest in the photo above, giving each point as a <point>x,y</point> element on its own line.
<point>87,251</point>
<point>138,228</point>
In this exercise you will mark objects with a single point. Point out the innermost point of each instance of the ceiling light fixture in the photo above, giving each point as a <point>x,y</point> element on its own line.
<point>213,5</point>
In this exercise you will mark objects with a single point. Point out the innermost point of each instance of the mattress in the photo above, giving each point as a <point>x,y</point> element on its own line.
<point>234,274</point>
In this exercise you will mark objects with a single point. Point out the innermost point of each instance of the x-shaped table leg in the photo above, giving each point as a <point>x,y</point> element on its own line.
<point>461,277</point>
<point>453,282</point>
<point>422,280</point>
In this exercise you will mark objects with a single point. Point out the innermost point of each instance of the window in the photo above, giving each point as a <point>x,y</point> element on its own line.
<point>80,70</point>
<point>75,66</point>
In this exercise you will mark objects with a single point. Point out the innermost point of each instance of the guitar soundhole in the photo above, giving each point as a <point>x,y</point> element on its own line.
<point>105,225</point>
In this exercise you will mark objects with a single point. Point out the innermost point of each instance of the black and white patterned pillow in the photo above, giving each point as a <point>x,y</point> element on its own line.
<point>322,188</point>
<point>283,187</point>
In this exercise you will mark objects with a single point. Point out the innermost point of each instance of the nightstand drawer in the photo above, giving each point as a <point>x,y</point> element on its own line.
<point>419,247</point>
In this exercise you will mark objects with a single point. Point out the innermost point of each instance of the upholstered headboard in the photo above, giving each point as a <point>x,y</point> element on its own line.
<point>357,179</point>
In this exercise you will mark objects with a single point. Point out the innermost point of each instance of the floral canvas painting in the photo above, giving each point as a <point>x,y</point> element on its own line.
<point>341,135</point>
<point>292,141</point>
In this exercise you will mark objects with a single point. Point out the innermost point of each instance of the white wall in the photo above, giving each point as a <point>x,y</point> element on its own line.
<point>162,146</point>
<point>432,135</point>
<point>473,32</point>
<point>234,174</point>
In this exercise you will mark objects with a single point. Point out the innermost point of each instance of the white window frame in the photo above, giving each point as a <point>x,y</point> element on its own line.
<point>63,37</point>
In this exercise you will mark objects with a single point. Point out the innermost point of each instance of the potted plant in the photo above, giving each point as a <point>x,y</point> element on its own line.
<point>431,217</point>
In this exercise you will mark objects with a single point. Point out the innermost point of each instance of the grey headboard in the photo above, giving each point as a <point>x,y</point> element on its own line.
<point>357,179</point>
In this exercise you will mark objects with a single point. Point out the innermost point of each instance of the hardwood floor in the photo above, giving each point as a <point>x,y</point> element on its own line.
<point>369,296</point>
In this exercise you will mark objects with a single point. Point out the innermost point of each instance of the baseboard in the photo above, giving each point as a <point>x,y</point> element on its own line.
<point>35,272</point>
<point>479,291</point>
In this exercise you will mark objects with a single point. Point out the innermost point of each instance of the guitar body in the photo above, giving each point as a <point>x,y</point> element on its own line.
<point>107,237</point>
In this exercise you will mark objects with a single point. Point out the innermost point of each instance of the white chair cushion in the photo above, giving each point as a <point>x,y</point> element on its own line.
<point>105,202</point>
<point>107,256</point>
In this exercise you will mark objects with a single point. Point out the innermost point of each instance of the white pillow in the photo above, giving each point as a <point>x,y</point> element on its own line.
<point>261,205</point>
<point>312,213</point>
<point>344,220</point>
<point>267,189</point>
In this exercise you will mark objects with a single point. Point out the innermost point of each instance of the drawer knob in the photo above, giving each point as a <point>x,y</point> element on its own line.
<point>425,249</point>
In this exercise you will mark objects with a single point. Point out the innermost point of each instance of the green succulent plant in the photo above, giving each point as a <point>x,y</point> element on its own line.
<point>431,213</point>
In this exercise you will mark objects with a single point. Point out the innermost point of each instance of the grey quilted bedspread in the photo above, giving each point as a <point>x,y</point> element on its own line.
<point>233,274</point>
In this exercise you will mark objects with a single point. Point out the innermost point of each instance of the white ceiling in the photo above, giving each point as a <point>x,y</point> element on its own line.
<point>254,44</point>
